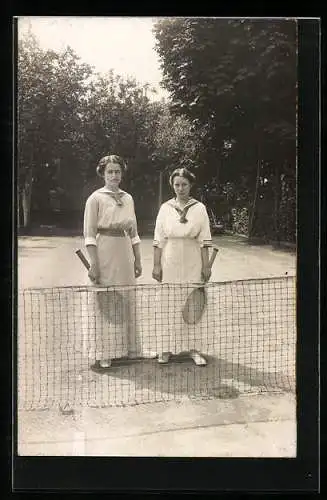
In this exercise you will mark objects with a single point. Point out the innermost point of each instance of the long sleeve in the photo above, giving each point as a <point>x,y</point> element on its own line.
<point>159,233</point>
<point>133,234</point>
<point>204,236</point>
<point>90,221</point>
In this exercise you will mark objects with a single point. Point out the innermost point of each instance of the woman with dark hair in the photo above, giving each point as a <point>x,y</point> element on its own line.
<point>181,241</point>
<point>113,245</point>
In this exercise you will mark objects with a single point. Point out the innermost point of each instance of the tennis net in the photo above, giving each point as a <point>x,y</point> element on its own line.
<point>247,333</point>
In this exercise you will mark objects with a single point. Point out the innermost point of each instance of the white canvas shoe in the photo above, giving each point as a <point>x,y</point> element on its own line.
<point>163,357</point>
<point>105,363</point>
<point>198,359</point>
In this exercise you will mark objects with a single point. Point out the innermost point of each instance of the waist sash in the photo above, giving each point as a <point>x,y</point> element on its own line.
<point>111,232</point>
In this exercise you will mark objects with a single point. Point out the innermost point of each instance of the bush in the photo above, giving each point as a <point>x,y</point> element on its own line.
<point>240,220</point>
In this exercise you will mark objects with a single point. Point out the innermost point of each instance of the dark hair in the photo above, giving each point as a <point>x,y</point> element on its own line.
<point>182,172</point>
<point>118,160</point>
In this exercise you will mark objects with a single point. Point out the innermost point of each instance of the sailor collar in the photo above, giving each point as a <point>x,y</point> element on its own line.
<point>107,190</point>
<point>116,195</point>
<point>182,211</point>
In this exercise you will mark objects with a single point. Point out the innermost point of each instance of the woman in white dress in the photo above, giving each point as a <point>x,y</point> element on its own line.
<point>181,241</point>
<point>113,245</point>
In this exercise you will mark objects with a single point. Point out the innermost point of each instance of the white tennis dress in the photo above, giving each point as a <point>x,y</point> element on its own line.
<point>180,237</point>
<point>110,224</point>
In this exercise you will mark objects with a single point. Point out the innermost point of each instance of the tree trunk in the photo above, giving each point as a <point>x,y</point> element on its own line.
<point>217,175</point>
<point>276,204</point>
<point>27,198</point>
<point>255,197</point>
<point>19,214</point>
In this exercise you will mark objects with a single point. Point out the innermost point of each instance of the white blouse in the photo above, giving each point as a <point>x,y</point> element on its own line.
<point>168,223</point>
<point>103,211</point>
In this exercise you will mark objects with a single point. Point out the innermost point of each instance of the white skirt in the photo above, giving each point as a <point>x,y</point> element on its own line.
<point>181,265</point>
<point>113,333</point>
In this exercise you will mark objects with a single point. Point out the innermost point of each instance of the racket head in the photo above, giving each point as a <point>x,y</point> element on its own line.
<point>194,306</point>
<point>113,306</point>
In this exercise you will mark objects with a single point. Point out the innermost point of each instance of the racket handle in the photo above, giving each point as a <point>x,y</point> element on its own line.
<point>80,254</point>
<point>213,256</point>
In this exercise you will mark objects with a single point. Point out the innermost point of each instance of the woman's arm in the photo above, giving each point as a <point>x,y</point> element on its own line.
<point>94,271</point>
<point>90,231</point>
<point>205,242</point>
<point>137,260</point>
<point>157,268</point>
<point>159,236</point>
<point>206,271</point>
<point>135,240</point>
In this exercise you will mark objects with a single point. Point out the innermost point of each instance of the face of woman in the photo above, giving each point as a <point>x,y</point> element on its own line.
<point>182,187</point>
<point>112,176</point>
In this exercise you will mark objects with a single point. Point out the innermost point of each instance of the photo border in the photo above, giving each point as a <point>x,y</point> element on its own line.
<point>87,474</point>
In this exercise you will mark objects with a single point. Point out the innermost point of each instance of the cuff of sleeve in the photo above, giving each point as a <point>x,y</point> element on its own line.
<point>206,243</point>
<point>157,244</point>
<point>135,240</point>
<point>90,241</point>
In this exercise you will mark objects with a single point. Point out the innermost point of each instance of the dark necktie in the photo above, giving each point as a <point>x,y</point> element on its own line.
<point>183,212</point>
<point>117,198</point>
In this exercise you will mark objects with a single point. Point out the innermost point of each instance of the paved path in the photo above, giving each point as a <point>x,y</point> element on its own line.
<point>249,426</point>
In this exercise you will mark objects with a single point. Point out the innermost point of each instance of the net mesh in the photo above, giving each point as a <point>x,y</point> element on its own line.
<point>246,330</point>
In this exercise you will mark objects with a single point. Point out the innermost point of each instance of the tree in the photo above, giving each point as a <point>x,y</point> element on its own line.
<point>69,117</point>
<point>177,144</point>
<point>121,119</point>
<point>50,106</point>
<point>236,79</point>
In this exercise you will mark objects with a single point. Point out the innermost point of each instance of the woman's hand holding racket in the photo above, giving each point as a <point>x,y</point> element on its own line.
<point>93,267</point>
<point>157,273</point>
<point>137,269</point>
<point>94,272</point>
<point>206,270</point>
<point>206,273</point>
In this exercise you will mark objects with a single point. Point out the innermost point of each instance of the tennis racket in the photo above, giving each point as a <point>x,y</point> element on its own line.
<point>111,303</point>
<point>84,260</point>
<point>197,300</point>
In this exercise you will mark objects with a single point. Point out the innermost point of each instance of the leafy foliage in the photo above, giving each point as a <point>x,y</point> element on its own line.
<point>69,117</point>
<point>236,79</point>
<point>232,120</point>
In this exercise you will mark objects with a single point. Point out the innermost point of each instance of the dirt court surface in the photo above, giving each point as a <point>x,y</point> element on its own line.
<point>51,261</point>
<point>253,425</point>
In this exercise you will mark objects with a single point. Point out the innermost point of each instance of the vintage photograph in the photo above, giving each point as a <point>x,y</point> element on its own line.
<point>156,200</point>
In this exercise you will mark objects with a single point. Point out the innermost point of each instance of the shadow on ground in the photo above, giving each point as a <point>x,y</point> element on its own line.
<point>130,382</point>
